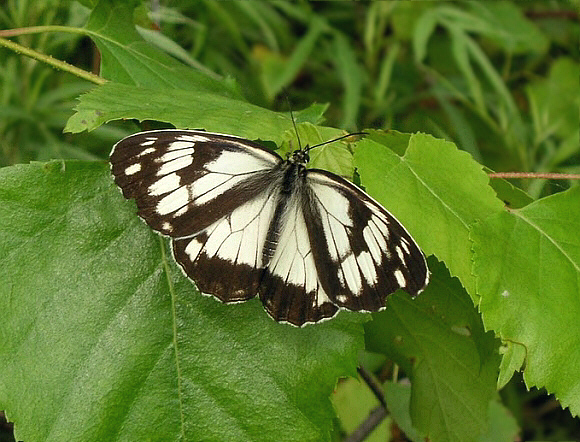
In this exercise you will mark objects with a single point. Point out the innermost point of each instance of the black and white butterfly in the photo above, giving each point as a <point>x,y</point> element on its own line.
<point>246,222</point>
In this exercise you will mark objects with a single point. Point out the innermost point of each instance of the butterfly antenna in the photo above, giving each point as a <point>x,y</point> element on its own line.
<point>294,123</point>
<point>336,139</point>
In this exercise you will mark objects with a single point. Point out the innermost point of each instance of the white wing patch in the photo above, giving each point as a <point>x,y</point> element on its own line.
<point>237,163</point>
<point>174,201</point>
<point>293,261</point>
<point>133,169</point>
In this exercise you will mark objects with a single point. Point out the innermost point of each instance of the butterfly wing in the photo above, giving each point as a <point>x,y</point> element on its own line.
<point>290,288</point>
<point>184,181</point>
<point>225,259</point>
<point>207,191</point>
<point>337,248</point>
<point>362,251</point>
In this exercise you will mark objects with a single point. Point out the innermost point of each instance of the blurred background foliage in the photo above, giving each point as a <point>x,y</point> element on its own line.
<point>500,79</point>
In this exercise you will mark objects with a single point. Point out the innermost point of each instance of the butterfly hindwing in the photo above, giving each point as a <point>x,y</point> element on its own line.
<point>370,252</point>
<point>291,288</point>
<point>226,258</point>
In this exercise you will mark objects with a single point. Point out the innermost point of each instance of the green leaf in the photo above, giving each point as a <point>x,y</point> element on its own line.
<point>502,425</point>
<point>435,190</point>
<point>514,356</point>
<point>127,58</point>
<point>439,341</point>
<point>103,338</point>
<point>461,50</point>
<point>527,265</point>
<point>424,28</point>
<point>399,403</point>
<point>394,140</point>
<point>512,196</point>
<point>183,109</point>
<point>312,114</point>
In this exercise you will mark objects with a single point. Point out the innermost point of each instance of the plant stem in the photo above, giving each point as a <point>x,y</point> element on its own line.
<point>545,176</point>
<point>58,64</point>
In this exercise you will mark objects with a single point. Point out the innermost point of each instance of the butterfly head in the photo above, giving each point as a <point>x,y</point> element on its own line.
<point>300,157</point>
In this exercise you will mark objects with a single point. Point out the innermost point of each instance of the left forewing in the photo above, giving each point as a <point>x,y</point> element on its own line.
<point>184,181</point>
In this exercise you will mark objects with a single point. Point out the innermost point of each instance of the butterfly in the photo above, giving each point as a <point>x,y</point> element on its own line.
<point>245,222</point>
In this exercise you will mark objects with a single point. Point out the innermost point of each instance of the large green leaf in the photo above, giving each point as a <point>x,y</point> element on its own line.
<point>502,425</point>
<point>435,190</point>
<point>104,339</point>
<point>183,109</point>
<point>188,110</point>
<point>439,340</point>
<point>527,264</point>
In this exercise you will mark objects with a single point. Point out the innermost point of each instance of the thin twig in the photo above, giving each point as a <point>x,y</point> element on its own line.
<point>373,385</point>
<point>363,430</point>
<point>544,176</point>
<point>377,415</point>
<point>59,64</point>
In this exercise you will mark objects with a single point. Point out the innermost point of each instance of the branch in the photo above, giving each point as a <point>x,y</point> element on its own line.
<point>375,418</point>
<point>376,415</point>
<point>545,176</point>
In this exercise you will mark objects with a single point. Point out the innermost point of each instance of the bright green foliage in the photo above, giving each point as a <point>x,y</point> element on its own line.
<point>513,357</point>
<point>211,112</point>
<point>527,264</point>
<point>104,339</point>
<point>439,340</point>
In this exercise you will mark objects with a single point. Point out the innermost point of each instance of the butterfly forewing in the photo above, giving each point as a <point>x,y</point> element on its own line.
<point>244,222</point>
<point>184,181</point>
